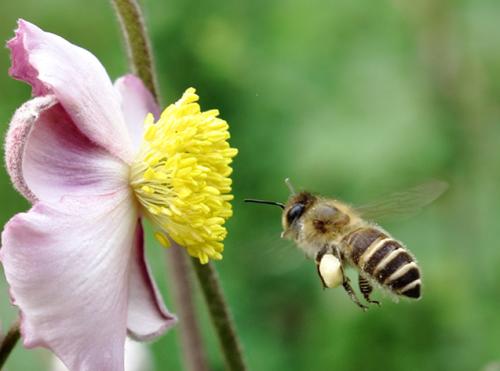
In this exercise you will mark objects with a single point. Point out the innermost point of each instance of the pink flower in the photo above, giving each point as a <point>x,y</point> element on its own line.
<point>138,357</point>
<point>75,262</point>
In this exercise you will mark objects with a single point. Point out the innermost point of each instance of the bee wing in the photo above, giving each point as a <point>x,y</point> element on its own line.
<point>405,203</point>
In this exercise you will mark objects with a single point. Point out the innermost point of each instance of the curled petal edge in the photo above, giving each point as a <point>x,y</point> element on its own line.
<point>52,65</point>
<point>20,127</point>
<point>148,317</point>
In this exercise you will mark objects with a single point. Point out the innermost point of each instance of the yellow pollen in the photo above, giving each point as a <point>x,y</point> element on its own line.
<point>181,177</point>
<point>162,239</point>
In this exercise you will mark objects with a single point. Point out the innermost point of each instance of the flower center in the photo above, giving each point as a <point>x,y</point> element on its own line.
<point>181,177</point>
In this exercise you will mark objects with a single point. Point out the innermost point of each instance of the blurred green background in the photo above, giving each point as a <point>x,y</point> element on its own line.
<point>349,98</point>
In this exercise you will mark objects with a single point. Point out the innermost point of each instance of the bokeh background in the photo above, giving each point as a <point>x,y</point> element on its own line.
<point>349,98</point>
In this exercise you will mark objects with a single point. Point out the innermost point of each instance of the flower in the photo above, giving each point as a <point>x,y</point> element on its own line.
<point>138,357</point>
<point>181,177</point>
<point>82,154</point>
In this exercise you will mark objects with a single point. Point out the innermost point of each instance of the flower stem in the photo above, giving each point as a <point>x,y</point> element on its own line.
<point>141,61</point>
<point>137,42</point>
<point>181,286</point>
<point>221,317</point>
<point>9,342</point>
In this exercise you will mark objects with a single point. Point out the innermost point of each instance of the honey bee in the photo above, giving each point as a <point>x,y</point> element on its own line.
<point>338,236</point>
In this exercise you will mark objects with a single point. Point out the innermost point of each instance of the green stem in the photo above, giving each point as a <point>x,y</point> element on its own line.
<point>141,60</point>
<point>9,342</point>
<point>137,42</point>
<point>221,317</point>
<point>181,286</point>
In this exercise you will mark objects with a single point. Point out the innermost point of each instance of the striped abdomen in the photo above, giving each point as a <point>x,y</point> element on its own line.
<point>385,260</point>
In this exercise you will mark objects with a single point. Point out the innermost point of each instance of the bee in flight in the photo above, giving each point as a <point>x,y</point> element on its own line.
<point>337,236</point>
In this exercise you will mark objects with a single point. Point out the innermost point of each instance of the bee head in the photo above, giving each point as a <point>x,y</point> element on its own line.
<point>297,205</point>
<point>294,209</point>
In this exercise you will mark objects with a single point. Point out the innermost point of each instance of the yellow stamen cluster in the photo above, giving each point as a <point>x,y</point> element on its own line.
<point>181,177</point>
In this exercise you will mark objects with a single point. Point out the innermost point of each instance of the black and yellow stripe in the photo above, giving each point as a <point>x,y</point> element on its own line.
<point>360,240</point>
<point>385,260</point>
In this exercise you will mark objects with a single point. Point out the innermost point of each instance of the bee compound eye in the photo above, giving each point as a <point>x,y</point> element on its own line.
<point>295,212</point>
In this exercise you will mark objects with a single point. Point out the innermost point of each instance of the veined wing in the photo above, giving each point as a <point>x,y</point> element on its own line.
<point>405,203</point>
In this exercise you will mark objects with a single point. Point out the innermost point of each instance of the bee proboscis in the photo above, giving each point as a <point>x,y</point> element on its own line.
<point>337,236</point>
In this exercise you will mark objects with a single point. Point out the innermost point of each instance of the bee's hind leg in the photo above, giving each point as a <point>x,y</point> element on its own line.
<point>326,249</point>
<point>333,249</point>
<point>366,289</point>
<point>347,286</point>
<point>352,294</point>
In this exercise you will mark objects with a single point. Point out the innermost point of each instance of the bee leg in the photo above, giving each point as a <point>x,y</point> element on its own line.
<point>347,286</point>
<point>366,289</point>
<point>327,249</point>
<point>318,257</point>
<point>352,294</point>
<point>320,276</point>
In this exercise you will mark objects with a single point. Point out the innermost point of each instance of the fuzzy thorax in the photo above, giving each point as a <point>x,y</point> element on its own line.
<point>181,177</point>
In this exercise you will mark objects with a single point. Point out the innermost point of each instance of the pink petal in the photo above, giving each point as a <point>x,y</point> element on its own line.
<point>68,272</point>
<point>147,315</point>
<point>136,102</point>
<point>17,137</point>
<point>138,357</point>
<point>78,80</point>
<point>48,157</point>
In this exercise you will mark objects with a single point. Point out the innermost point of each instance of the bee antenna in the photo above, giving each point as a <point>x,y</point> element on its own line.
<point>290,186</point>
<point>275,203</point>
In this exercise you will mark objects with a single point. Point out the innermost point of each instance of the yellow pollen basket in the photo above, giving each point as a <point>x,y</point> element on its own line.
<point>181,177</point>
